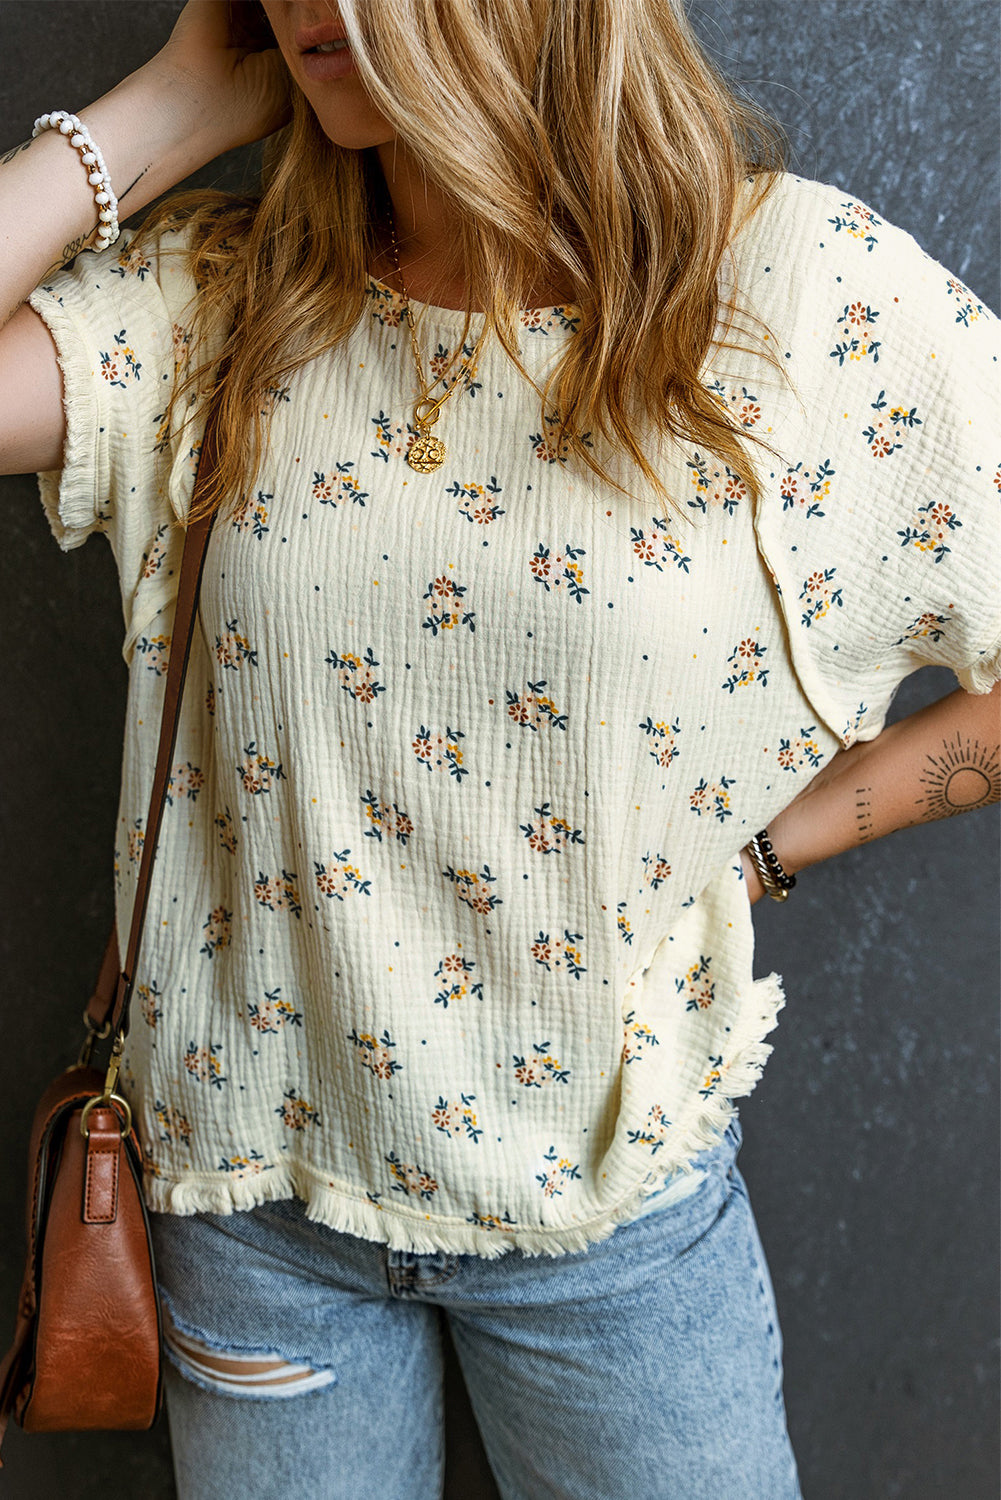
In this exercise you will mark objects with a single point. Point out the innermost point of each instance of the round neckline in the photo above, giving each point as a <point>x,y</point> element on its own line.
<point>455,316</point>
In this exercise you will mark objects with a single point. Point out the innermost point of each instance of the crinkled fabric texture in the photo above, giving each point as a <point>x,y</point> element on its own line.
<point>448,934</point>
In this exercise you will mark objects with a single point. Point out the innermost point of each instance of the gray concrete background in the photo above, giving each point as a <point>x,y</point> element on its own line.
<point>871,1145</point>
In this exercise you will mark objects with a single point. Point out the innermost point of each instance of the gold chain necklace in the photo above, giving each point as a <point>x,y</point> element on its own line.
<point>426,452</point>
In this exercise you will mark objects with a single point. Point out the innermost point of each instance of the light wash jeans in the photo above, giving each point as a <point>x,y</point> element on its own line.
<point>646,1367</point>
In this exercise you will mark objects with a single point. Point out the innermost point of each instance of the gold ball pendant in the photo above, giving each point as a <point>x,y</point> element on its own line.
<point>426,454</point>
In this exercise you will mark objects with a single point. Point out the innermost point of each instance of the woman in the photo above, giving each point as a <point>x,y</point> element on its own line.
<point>450,992</point>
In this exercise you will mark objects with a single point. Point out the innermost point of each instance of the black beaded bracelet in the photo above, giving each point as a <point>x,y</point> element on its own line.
<point>775,880</point>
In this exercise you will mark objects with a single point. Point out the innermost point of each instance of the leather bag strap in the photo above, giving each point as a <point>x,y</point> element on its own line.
<point>100,1002</point>
<point>112,996</point>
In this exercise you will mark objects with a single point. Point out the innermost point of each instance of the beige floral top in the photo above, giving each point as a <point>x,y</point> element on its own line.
<point>448,933</point>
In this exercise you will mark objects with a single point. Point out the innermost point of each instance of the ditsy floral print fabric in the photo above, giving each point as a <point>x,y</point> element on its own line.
<point>448,933</point>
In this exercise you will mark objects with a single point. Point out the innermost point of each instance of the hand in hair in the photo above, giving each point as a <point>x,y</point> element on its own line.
<point>200,95</point>
<point>237,92</point>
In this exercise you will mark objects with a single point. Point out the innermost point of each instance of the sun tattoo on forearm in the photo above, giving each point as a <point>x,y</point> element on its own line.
<point>964,775</point>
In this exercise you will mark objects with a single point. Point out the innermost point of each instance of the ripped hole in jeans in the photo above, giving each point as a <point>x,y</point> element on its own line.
<point>257,1374</point>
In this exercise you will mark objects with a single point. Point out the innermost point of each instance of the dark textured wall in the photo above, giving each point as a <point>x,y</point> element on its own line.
<point>871,1145</point>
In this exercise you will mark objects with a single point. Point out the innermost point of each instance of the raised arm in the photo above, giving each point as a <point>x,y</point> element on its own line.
<point>197,98</point>
<point>942,760</point>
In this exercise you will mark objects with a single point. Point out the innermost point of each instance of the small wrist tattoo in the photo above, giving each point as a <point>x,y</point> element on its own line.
<point>69,253</point>
<point>132,184</point>
<point>9,156</point>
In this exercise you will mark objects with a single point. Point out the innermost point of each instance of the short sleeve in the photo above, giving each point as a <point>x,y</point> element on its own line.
<point>880,522</point>
<point>121,323</point>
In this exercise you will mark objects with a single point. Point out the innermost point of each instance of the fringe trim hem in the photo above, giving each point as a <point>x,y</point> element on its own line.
<point>400,1228</point>
<point>981,675</point>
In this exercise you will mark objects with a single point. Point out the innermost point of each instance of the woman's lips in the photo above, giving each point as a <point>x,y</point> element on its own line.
<point>322,67</point>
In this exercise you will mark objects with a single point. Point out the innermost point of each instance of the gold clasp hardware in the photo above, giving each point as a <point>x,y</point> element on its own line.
<point>433,411</point>
<point>114,1063</point>
<point>94,1034</point>
<point>109,1096</point>
<point>109,1100</point>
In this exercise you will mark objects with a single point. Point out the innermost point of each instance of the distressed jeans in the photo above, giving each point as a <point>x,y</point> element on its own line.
<point>305,1361</point>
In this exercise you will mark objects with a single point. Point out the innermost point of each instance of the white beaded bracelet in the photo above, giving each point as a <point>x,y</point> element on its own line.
<point>97,173</point>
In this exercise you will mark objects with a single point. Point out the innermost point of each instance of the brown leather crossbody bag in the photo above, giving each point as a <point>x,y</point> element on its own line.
<point>87,1348</point>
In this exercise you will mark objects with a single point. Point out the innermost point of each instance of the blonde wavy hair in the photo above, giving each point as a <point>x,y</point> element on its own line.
<point>579,142</point>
